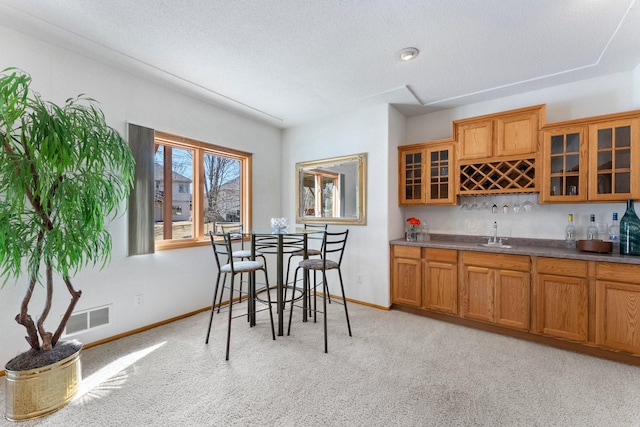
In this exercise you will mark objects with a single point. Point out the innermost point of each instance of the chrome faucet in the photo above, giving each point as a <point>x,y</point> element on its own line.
<point>495,233</point>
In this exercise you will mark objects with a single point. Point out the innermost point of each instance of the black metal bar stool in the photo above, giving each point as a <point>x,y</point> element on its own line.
<point>221,249</point>
<point>333,244</point>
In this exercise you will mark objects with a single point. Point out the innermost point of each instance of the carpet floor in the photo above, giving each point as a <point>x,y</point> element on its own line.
<point>398,369</point>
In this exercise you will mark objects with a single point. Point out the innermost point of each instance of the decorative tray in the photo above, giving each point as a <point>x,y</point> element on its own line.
<point>599,246</point>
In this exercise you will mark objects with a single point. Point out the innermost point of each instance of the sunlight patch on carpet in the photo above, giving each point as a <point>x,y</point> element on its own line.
<point>110,377</point>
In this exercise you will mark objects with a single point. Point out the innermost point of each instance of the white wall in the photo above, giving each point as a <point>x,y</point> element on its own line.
<point>609,94</point>
<point>397,137</point>
<point>636,86</point>
<point>367,246</point>
<point>172,282</point>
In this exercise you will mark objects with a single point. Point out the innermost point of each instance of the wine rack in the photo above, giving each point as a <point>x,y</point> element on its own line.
<point>505,176</point>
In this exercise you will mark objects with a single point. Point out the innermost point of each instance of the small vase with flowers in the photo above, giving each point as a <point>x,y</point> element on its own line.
<point>412,229</point>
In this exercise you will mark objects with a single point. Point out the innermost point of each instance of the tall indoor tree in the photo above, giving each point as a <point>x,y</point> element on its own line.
<point>63,171</point>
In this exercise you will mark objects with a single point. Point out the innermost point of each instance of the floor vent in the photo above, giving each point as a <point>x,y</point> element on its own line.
<point>88,319</point>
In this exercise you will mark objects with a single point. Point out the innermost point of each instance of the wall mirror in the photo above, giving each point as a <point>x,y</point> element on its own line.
<point>332,191</point>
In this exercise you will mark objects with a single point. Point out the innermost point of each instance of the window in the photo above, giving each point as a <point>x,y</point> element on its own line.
<point>196,185</point>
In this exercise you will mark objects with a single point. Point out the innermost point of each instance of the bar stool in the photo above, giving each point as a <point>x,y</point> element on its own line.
<point>316,237</point>
<point>236,231</point>
<point>222,249</point>
<point>332,244</point>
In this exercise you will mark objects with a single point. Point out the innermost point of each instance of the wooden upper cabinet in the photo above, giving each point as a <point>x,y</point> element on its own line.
<point>614,148</point>
<point>411,171</point>
<point>475,139</point>
<point>510,133</point>
<point>440,177</point>
<point>517,133</point>
<point>564,164</point>
<point>591,159</point>
<point>426,173</point>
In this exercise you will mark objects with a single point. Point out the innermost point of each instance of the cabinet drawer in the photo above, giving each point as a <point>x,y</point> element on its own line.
<point>562,267</point>
<point>625,273</point>
<point>497,261</point>
<point>406,251</point>
<point>444,255</point>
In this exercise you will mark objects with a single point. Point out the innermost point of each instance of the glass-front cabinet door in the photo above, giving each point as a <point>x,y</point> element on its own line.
<point>440,168</point>
<point>613,150</point>
<point>412,189</point>
<point>564,171</point>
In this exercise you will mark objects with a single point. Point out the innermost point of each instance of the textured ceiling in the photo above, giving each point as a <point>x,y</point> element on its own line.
<point>288,62</point>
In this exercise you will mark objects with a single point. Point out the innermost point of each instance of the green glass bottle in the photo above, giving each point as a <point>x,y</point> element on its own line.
<point>630,231</point>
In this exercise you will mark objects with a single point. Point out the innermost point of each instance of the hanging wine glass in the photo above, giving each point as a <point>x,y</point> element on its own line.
<point>516,206</point>
<point>465,205</point>
<point>527,205</point>
<point>474,205</point>
<point>485,205</point>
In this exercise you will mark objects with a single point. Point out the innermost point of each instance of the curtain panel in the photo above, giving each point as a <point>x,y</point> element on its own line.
<point>141,198</point>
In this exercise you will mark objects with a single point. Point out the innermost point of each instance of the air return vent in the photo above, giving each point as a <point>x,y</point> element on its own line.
<point>88,319</point>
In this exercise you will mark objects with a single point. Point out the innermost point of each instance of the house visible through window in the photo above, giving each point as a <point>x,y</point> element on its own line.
<point>196,185</point>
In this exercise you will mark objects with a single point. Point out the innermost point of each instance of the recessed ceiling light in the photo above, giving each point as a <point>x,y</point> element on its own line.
<point>408,53</point>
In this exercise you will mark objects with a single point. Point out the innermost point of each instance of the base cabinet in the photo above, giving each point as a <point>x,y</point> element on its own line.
<point>407,275</point>
<point>513,290</point>
<point>440,286</point>
<point>562,303</point>
<point>496,288</point>
<point>583,305</point>
<point>618,307</point>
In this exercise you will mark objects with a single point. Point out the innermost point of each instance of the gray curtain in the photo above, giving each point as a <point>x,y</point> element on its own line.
<point>141,238</point>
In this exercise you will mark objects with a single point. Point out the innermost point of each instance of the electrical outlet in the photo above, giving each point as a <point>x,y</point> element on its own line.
<point>359,279</point>
<point>138,300</point>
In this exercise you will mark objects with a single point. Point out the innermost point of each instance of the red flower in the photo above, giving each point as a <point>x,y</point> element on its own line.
<point>413,221</point>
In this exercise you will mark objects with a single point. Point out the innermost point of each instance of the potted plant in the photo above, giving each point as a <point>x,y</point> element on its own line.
<point>62,171</point>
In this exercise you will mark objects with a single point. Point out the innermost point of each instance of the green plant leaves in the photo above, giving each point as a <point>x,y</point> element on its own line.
<point>62,171</point>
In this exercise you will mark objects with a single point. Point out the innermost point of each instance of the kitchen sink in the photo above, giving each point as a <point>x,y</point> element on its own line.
<point>496,245</point>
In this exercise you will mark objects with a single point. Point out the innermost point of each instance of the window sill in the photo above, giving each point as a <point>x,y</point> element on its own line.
<point>180,244</point>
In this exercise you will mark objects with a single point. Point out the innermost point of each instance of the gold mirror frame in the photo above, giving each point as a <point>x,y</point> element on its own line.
<point>339,208</point>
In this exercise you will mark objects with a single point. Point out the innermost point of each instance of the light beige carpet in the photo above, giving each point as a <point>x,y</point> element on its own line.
<point>397,370</point>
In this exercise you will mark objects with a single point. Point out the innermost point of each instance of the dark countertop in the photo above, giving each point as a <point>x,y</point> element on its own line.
<point>531,247</point>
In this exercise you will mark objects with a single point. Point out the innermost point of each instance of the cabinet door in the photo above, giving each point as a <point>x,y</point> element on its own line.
<point>613,149</point>
<point>478,293</point>
<point>407,276</point>
<point>512,305</point>
<point>440,183</point>
<point>618,316</point>
<point>475,139</point>
<point>440,287</point>
<point>412,188</point>
<point>517,134</point>
<point>562,306</point>
<point>564,165</point>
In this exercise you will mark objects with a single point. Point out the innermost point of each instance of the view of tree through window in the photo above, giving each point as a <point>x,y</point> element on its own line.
<point>221,190</point>
<point>196,186</point>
